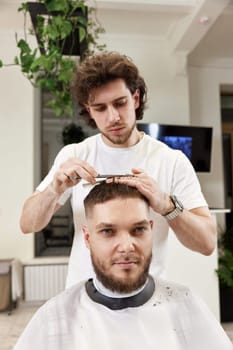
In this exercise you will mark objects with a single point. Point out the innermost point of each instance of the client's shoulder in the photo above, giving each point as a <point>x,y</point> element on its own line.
<point>169,290</point>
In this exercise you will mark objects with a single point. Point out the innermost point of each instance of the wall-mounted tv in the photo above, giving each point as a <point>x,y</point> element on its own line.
<point>194,141</point>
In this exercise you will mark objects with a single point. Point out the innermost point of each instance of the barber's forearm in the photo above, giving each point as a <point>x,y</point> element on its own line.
<point>196,230</point>
<point>38,210</point>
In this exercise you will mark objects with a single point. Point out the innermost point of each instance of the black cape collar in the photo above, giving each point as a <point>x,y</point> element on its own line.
<point>121,303</point>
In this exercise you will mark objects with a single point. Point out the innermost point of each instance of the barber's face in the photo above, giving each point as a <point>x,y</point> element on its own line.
<point>119,236</point>
<point>112,107</point>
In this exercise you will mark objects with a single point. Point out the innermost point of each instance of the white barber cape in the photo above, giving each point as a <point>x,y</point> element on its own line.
<point>172,319</point>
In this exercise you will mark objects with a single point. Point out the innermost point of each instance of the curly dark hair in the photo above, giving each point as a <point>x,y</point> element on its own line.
<point>100,69</point>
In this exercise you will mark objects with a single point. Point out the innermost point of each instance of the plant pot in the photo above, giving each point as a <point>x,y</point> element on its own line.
<point>226,304</point>
<point>71,45</point>
<point>72,133</point>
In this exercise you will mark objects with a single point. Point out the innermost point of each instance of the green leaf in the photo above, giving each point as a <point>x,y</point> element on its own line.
<point>1,63</point>
<point>82,34</point>
<point>66,29</point>
<point>55,104</point>
<point>36,65</point>
<point>27,56</point>
<point>225,270</point>
<point>47,83</point>
<point>61,102</point>
<point>69,109</point>
<point>40,23</point>
<point>23,7</point>
<point>57,5</point>
<point>44,62</point>
<point>83,7</point>
<point>23,46</point>
<point>16,60</point>
<point>67,65</point>
<point>82,20</point>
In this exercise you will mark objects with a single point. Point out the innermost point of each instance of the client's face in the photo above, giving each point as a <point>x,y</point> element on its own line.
<point>119,236</point>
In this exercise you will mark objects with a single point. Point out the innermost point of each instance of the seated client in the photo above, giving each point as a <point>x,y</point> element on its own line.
<point>123,307</point>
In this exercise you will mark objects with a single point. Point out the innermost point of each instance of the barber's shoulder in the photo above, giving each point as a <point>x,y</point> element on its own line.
<point>81,148</point>
<point>71,150</point>
<point>156,145</point>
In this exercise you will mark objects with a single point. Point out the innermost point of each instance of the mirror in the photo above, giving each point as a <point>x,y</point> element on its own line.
<point>56,238</point>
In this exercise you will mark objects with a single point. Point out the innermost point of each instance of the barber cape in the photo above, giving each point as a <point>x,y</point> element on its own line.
<point>171,318</point>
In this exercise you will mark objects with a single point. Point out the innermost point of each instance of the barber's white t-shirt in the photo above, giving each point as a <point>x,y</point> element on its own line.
<point>169,168</point>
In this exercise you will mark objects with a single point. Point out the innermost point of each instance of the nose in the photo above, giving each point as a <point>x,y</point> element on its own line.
<point>126,243</point>
<point>113,114</point>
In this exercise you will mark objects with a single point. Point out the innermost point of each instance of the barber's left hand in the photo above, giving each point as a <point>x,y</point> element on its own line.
<point>159,201</point>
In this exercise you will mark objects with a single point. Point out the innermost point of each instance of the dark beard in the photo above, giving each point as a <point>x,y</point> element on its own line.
<point>119,140</point>
<point>116,285</point>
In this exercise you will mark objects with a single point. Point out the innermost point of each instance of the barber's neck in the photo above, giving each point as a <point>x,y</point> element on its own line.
<point>109,293</point>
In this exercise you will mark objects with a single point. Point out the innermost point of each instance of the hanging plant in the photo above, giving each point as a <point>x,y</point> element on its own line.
<point>225,260</point>
<point>225,274</point>
<point>66,30</point>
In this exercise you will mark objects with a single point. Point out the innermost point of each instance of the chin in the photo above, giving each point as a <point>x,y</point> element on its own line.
<point>127,277</point>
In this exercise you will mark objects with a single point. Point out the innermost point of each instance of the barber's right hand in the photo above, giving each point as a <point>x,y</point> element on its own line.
<point>70,173</point>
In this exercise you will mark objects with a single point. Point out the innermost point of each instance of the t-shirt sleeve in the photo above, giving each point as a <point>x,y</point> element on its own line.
<point>64,154</point>
<point>185,184</point>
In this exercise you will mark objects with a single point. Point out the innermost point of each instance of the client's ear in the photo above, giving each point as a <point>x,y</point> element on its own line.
<point>86,236</point>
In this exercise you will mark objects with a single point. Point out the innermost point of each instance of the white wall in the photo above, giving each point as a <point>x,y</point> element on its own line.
<point>205,83</point>
<point>168,95</point>
<point>16,152</point>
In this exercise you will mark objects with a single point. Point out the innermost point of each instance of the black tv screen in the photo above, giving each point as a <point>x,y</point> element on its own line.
<point>194,141</point>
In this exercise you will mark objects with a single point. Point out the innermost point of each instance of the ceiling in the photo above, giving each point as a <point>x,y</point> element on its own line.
<point>202,30</point>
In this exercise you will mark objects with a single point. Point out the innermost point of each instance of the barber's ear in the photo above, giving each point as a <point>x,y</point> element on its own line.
<point>86,236</point>
<point>87,107</point>
<point>136,97</point>
<point>88,110</point>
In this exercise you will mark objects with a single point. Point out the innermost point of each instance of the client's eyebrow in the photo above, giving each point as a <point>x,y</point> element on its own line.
<point>109,225</point>
<point>104,224</point>
<point>142,223</point>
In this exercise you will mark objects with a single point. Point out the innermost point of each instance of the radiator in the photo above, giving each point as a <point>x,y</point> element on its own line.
<point>44,280</point>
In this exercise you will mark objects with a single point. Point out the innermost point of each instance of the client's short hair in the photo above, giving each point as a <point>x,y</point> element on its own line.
<point>107,191</point>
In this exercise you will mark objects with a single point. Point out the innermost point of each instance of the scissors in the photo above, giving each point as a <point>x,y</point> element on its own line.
<point>100,176</point>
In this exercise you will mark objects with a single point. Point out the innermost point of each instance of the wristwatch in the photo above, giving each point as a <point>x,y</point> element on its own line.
<point>178,208</point>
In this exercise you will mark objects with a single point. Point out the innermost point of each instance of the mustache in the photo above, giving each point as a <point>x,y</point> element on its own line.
<point>126,258</point>
<point>116,124</point>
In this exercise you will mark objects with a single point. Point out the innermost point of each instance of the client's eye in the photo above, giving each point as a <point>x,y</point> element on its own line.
<point>140,229</point>
<point>107,231</point>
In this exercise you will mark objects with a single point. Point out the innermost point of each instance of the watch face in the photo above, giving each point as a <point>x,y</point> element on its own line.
<point>178,209</point>
<point>177,203</point>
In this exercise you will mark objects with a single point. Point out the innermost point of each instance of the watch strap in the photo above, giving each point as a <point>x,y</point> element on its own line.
<point>177,211</point>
